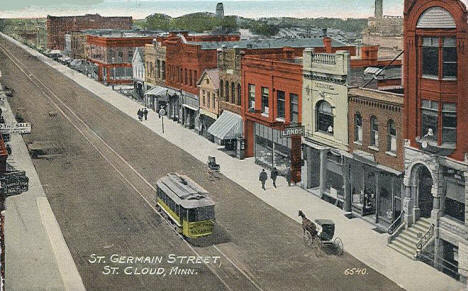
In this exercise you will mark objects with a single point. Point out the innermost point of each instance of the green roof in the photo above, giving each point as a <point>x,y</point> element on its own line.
<point>267,43</point>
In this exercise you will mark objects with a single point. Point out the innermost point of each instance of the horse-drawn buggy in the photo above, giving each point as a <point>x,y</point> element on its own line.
<point>319,233</point>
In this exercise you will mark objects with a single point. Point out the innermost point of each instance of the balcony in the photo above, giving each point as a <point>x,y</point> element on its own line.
<point>324,59</point>
<point>430,145</point>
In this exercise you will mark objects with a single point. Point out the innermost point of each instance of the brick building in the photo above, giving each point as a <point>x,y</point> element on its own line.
<point>58,26</point>
<point>229,62</point>
<point>78,43</point>
<point>272,101</point>
<point>187,56</point>
<point>112,53</point>
<point>435,125</point>
<point>376,162</point>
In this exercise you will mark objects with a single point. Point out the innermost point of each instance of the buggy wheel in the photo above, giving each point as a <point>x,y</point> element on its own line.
<point>308,240</point>
<point>338,244</point>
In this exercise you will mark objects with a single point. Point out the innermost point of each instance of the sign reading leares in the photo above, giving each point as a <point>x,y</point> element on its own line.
<point>14,183</point>
<point>292,130</point>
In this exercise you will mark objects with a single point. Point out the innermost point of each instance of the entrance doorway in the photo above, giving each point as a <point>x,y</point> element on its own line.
<point>425,198</point>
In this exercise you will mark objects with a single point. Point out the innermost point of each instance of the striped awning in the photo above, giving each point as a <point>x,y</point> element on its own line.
<point>227,126</point>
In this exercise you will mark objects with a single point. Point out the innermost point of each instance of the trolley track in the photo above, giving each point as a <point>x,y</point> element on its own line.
<point>228,272</point>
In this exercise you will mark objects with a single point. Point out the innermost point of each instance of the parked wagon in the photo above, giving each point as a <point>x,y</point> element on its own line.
<point>320,233</point>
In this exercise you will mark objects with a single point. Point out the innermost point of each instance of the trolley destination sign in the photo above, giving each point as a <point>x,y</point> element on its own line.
<point>292,130</point>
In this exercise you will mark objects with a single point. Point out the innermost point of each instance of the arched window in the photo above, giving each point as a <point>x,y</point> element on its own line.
<point>221,86</point>
<point>325,117</point>
<point>358,127</point>
<point>238,94</point>
<point>391,137</point>
<point>226,95</point>
<point>374,132</point>
<point>233,93</point>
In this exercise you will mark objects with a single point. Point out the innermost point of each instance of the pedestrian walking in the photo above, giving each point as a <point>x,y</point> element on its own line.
<point>145,113</point>
<point>274,175</point>
<point>262,178</point>
<point>288,176</point>
<point>140,115</point>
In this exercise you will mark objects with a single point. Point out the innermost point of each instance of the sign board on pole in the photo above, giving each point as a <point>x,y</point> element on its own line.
<point>293,130</point>
<point>24,127</point>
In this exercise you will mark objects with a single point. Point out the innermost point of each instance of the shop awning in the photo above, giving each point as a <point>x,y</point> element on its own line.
<point>161,92</point>
<point>227,126</point>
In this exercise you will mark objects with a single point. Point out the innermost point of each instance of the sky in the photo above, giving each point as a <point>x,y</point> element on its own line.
<point>247,8</point>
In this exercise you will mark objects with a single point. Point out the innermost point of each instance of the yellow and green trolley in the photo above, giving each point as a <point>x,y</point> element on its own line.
<point>186,205</point>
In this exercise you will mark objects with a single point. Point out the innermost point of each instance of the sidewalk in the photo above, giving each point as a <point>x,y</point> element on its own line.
<point>358,237</point>
<point>37,256</point>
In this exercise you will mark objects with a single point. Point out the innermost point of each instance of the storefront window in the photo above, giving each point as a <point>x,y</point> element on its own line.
<point>280,104</point>
<point>385,197</point>
<point>270,148</point>
<point>324,117</point>
<point>455,198</point>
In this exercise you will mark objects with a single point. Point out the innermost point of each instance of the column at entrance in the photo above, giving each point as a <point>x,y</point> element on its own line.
<point>323,170</point>
<point>346,186</point>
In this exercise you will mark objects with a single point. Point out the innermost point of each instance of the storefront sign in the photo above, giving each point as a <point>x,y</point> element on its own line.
<point>14,183</point>
<point>293,130</point>
<point>24,127</point>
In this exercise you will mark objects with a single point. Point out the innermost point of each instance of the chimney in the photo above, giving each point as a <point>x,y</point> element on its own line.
<point>324,32</point>
<point>378,13</point>
<point>370,54</point>
<point>327,43</point>
<point>288,53</point>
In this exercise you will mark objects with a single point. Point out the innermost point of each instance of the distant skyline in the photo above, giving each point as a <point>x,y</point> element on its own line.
<point>246,8</point>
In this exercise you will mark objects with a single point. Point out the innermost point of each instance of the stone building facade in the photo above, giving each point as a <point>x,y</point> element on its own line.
<point>325,119</point>
<point>209,100</point>
<point>435,124</point>
<point>155,63</point>
<point>58,26</point>
<point>376,145</point>
<point>78,43</point>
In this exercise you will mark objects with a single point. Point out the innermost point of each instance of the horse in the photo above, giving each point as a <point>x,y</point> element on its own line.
<point>308,225</point>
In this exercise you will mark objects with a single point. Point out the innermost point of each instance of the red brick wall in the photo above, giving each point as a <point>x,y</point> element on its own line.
<point>186,59</point>
<point>275,74</point>
<point>384,112</point>
<point>58,26</point>
<point>417,87</point>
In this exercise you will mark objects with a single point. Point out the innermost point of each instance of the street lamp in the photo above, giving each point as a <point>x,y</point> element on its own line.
<point>113,72</point>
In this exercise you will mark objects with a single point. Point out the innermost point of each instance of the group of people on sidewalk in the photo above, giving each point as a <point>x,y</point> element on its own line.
<point>142,112</point>
<point>273,175</point>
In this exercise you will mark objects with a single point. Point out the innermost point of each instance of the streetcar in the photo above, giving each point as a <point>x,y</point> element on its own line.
<point>186,205</point>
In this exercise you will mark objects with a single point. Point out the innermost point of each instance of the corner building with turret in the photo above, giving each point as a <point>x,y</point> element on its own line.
<point>435,123</point>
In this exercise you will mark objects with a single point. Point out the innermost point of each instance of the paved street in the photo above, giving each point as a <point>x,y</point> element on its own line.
<point>101,202</point>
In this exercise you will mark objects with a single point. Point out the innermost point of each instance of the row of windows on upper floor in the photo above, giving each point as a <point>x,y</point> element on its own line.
<point>439,58</point>
<point>183,76</point>
<point>390,147</point>
<point>280,103</point>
